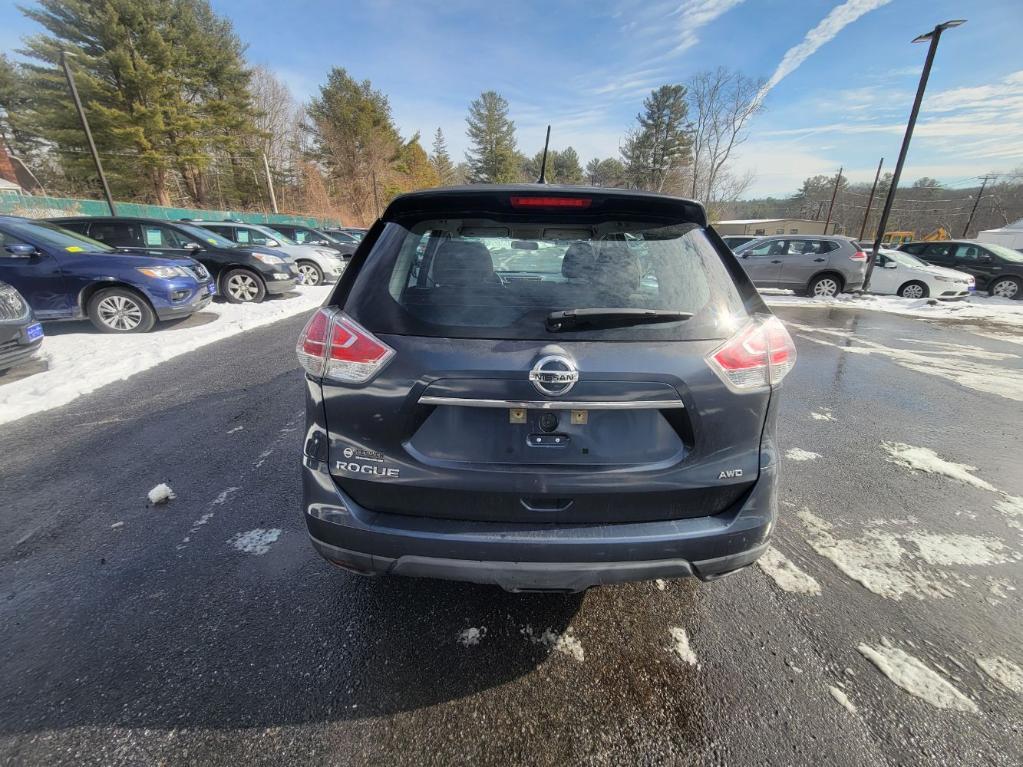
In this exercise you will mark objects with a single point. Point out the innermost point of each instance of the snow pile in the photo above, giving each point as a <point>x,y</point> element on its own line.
<point>842,698</point>
<point>974,308</point>
<point>917,679</point>
<point>784,573</point>
<point>680,646</point>
<point>256,541</point>
<point>161,494</point>
<point>798,454</point>
<point>80,363</point>
<point>1003,671</point>
<point>564,643</point>
<point>471,637</point>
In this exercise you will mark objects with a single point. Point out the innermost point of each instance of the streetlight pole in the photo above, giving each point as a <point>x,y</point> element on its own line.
<point>933,36</point>
<point>834,193</point>
<point>88,133</point>
<point>870,200</point>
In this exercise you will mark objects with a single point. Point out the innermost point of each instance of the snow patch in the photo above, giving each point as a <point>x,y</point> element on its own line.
<point>661,584</point>
<point>785,574</point>
<point>79,363</point>
<point>798,454</point>
<point>917,679</point>
<point>1011,507</point>
<point>161,494</point>
<point>116,525</point>
<point>926,460</point>
<point>236,428</point>
<point>823,415</point>
<point>842,698</point>
<point>256,541</point>
<point>224,495</point>
<point>892,564</point>
<point>1003,671</point>
<point>680,646</point>
<point>564,643</point>
<point>471,637</point>
<point>262,457</point>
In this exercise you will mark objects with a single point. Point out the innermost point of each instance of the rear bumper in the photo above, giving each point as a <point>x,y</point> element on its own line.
<point>548,557</point>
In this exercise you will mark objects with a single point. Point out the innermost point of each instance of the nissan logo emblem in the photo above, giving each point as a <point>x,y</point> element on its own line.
<point>554,375</point>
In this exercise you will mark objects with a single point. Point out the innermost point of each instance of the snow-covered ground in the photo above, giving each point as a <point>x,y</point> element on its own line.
<point>79,363</point>
<point>975,308</point>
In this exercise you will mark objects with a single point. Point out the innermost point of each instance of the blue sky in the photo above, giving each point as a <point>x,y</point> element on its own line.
<point>842,73</point>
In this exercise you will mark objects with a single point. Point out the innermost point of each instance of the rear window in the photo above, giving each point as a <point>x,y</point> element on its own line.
<point>501,278</point>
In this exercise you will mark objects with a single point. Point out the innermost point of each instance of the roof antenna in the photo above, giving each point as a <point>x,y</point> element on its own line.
<point>543,162</point>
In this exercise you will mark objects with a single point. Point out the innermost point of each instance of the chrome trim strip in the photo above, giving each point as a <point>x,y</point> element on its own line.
<point>552,404</point>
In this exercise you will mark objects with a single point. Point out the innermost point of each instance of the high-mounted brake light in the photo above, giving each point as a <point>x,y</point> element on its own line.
<point>859,255</point>
<point>578,203</point>
<point>335,347</point>
<point>760,354</point>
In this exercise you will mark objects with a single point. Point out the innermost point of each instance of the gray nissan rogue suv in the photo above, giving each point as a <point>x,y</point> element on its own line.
<point>544,388</point>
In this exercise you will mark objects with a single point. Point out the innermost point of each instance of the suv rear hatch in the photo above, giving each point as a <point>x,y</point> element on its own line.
<point>541,356</point>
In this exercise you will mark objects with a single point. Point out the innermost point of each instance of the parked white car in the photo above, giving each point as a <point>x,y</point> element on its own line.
<point>316,264</point>
<point>901,274</point>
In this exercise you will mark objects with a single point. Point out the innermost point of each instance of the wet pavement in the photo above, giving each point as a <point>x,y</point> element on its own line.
<point>206,631</point>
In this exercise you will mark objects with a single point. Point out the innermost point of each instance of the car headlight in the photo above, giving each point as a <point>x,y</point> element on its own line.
<point>939,278</point>
<point>268,259</point>
<point>162,271</point>
<point>326,253</point>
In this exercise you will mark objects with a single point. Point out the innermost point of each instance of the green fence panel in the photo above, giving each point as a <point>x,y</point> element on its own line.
<point>35,206</point>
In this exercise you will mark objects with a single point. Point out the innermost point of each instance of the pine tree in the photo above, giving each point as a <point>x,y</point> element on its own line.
<point>415,167</point>
<point>441,160</point>
<point>492,157</point>
<point>660,145</point>
<point>567,169</point>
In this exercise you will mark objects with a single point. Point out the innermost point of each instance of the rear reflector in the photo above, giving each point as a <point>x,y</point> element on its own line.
<point>579,203</point>
<point>335,347</point>
<point>760,354</point>
<point>859,255</point>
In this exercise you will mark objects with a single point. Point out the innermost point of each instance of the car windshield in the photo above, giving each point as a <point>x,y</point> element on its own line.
<point>277,236</point>
<point>1003,252</point>
<point>205,235</point>
<point>904,258</point>
<point>55,237</point>
<point>502,279</point>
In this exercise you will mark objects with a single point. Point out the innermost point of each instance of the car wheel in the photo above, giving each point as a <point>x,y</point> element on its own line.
<point>1006,287</point>
<point>120,310</point>
<point>914,289</point>
<point>311,273</point>
<point>240,286</point>
<point>825,286</point>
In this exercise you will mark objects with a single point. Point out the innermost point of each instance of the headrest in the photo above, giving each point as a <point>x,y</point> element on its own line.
<point>460,262</point>
<point>578,260</point>
<point>617,268</point>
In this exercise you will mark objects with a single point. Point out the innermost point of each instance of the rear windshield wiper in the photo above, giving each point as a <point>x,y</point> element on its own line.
<point>589,319</point>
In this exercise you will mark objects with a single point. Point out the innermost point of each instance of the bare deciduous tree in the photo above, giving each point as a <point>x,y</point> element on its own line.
<point>722,103</point>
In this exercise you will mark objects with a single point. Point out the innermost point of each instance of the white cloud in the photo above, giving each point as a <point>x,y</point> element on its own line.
<point>837,20</point>
<point>692,15</point>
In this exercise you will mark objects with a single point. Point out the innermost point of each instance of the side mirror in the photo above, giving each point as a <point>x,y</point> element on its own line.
<point>193,246</point>
<point>21,250</point>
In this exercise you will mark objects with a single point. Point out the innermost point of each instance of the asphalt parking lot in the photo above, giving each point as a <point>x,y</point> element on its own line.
<point>206,631</point>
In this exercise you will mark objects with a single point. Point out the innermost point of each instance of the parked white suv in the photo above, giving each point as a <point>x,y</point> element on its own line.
<point>316,264</point>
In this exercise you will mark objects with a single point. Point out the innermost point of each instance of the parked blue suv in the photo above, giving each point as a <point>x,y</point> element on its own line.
<point>65,276</point>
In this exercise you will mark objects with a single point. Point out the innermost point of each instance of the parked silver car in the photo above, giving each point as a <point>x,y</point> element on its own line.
<point>817,265</point>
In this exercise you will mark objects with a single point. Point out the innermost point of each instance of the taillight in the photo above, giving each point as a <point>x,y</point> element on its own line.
<point>758,355</point>
<point>336,347</point>
<point>578,203</point>
<point>859,255</point>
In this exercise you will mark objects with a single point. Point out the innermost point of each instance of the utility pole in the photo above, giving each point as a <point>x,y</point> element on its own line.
<point>870,200</point>
<point>834,194</point>
<point>270,183</point>
<point>933,36</point>
<point>376,198</point>
<point>820,207</point>
<point>976,202</point>
<point>88,133</point>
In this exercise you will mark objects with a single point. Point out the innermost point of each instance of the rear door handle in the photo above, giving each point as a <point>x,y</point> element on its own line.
<point>776,262</point>
<point>819,260</point>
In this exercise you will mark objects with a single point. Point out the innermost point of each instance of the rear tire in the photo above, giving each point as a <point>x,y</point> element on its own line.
<point>311,273</point>
<point>914,289</point>
<point>120,310</point>
<point>242,286</point>
<point>824,286</point>
<point>1006,287</point>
